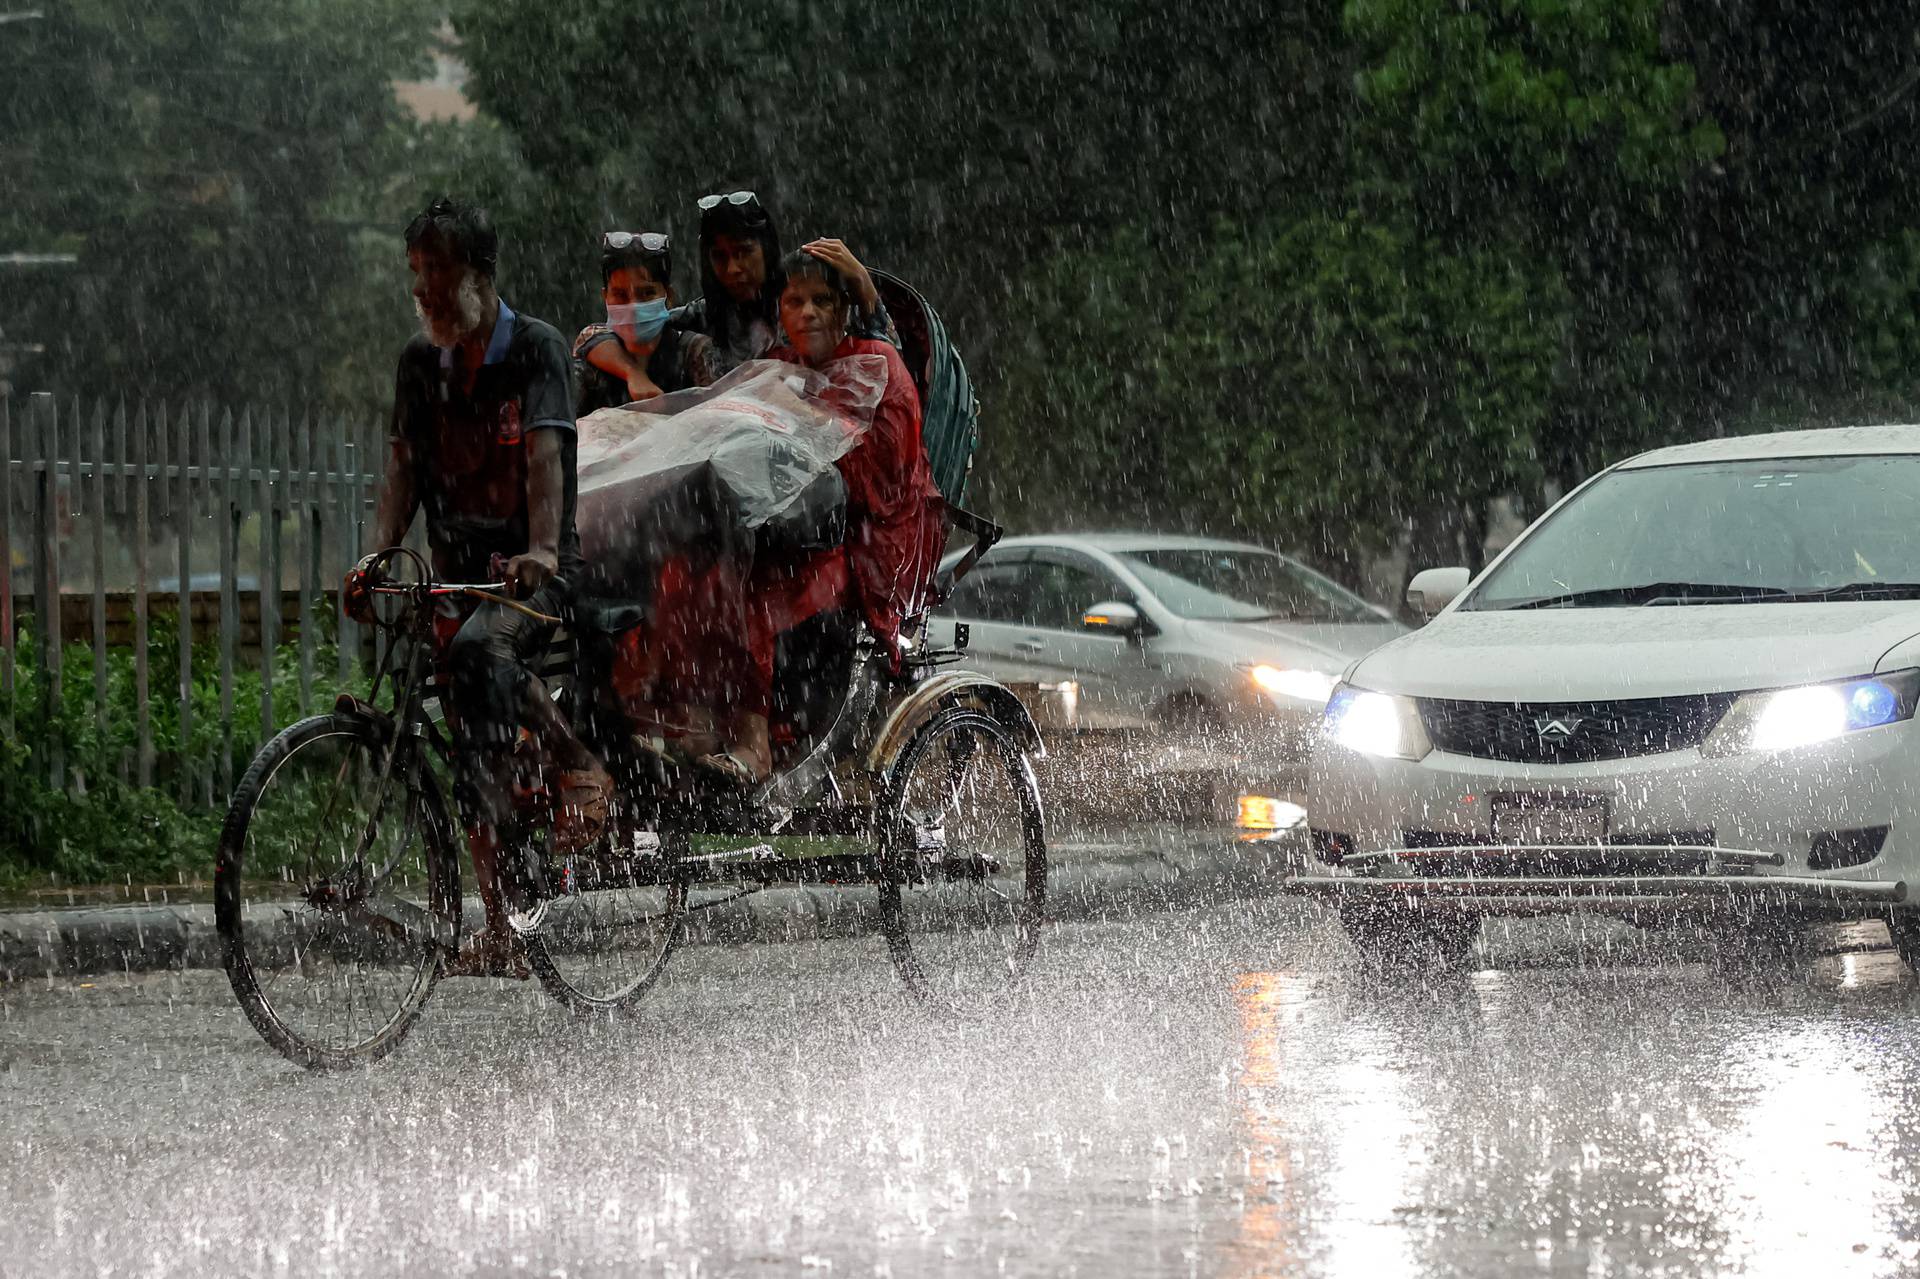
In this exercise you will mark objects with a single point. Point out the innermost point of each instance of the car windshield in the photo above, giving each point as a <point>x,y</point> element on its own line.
<point>1783,531</point>
<point>1239,585</point>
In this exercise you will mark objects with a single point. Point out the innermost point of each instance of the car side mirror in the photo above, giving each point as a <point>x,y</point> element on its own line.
<point>1112,618</point>
<point>1432,589</point>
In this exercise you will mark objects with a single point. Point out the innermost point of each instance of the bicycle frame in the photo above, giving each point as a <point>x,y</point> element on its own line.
<point>754,840</point>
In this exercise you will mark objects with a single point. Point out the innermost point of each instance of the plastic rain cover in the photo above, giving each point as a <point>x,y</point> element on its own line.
<point>744,467</point>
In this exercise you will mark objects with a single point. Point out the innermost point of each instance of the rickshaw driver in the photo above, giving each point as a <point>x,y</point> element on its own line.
<point>483,437</point>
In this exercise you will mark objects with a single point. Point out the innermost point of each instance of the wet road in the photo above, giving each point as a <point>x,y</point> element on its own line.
<point>1203,1094</point>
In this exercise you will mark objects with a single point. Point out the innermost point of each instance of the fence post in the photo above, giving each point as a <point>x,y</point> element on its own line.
<point>232,515</point>
<point>348,471</point>
<point>143,720</point>
<point>97,512</point>
<point>183,532</point>
<point>307,512</point>
<point>6,566</point>
<point>269,573</point>
<point>46,591</point>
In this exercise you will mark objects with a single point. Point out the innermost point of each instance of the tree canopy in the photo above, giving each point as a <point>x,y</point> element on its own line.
<point>224,173</point>
<point>1328,274</point>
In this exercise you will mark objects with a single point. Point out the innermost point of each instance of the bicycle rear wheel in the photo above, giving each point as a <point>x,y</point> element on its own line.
<point>963,862</point>
<point>613,913</point>
<point>337,891</point>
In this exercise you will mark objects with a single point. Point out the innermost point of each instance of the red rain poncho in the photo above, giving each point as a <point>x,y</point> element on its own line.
<point>711,638</point>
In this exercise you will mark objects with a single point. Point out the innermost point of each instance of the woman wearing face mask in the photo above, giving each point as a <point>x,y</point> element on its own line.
<point>740,283</point>
<point>658,356</point>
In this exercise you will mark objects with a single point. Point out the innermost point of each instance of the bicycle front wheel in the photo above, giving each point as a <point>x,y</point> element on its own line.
<point>337,891</point>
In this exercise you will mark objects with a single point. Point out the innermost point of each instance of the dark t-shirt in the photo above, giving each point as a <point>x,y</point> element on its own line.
<point>469,450</point>
<point>680,360</point>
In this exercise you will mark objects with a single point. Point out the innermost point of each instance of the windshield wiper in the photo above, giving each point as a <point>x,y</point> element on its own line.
<point>1859,591</point>
<point>1656,593</point>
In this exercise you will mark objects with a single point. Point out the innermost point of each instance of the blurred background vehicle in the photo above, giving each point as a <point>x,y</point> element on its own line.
<point>1224,641</point>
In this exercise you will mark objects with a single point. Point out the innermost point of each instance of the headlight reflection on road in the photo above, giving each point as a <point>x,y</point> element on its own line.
<point>1810,1186</point>
<point>1358,1184</point>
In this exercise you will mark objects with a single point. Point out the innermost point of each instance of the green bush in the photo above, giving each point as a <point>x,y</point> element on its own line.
<point>102,826</point>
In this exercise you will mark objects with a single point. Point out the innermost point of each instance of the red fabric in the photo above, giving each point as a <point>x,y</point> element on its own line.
<point>896,522</point>
<point>713,632</point>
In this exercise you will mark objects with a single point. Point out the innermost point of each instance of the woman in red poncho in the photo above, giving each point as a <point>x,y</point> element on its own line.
<point>895,531</point>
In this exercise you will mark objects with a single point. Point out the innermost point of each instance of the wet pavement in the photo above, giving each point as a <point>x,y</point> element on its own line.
<point>1210,1093</point>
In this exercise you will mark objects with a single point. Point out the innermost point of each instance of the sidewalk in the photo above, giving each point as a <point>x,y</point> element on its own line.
<point>1158,869</point>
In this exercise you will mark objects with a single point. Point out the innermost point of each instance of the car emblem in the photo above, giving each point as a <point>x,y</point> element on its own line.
<point>1556,729</point>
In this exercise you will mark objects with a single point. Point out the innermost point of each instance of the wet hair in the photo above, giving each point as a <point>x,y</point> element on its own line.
<point>658,265</point>
<point>463,231</point>
<point>748,222</point>
<point>802,265</point>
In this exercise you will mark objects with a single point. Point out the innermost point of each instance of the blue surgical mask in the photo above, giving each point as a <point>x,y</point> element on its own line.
<point>646,319</point>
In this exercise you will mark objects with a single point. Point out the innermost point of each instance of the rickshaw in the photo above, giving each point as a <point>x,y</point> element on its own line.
<point>909,797</point>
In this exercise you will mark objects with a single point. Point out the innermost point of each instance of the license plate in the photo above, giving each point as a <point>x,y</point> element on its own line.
<point>1549,819</point>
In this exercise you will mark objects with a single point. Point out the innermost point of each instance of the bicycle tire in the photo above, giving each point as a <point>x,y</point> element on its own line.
<point>583,988</point>
<point>1005,963</point>
<point>246,942</point>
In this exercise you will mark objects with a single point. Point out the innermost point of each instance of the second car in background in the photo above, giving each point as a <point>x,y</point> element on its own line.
<point>1156,631</point>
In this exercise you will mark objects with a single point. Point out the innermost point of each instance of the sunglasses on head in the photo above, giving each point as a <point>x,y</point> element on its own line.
<point>646,241</point>
<point>739,199</point>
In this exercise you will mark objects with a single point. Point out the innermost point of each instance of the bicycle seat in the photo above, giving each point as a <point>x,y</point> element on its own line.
<point>608,616</point>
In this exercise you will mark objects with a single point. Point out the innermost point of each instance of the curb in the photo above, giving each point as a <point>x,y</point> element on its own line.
<point>90,940</point>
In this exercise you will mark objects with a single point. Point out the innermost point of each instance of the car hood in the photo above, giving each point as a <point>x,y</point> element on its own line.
<point>1332,644</point>
<point>1582,654</point>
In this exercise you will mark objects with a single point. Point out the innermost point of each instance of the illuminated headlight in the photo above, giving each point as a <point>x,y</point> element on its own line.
<point>1302,685</point>
<point>1783,718</point>
<point>1376,724</point>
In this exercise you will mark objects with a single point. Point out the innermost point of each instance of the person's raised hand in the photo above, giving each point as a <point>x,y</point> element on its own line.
<point>837,255</point>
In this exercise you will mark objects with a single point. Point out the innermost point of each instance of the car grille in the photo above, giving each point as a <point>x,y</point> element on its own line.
<point>1571,732</point>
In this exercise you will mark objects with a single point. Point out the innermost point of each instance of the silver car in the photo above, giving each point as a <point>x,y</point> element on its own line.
<point>1159,631</point>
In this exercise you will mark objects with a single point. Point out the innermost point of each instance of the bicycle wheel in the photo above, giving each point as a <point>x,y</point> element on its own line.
<point>601,938</point>
<point>337,892</point>
<point>963,883</point>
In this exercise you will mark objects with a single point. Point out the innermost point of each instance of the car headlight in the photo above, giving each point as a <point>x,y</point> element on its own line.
<point>1781,719</point>
<point>1295,682</point>
<point>1376,724</point>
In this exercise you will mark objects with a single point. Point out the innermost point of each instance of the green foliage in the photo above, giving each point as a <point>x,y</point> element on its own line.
<point>1314,380</point>
<point>101,826</point>
<point>1316,272</point>
<point>951,143</point>
<point>1526,90</point>
<point>221,169</point>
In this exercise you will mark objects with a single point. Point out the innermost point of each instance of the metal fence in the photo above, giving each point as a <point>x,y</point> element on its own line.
<point>241,521</point>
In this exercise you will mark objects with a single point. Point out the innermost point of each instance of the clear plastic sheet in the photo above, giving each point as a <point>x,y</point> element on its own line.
<point>744,467</point>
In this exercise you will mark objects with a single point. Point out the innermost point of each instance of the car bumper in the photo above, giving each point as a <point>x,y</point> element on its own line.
<point>1633,897</point>
<point>1832,829</point>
